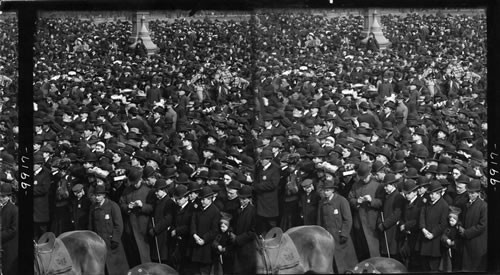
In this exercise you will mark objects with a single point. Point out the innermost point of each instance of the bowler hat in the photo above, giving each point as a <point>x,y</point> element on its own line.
<point>183,178</point>
<point>474,185</point>
<point>377,166</point>
<point>329,184</point>
<point>148,172</point>
<point>245,191</point>
<point>409,185</point>
<point>389,179</point>
<point>412,173</point>
<point>434,186</point>
<point>442,169</point>
<point>266,154</point>
<point>38,159</point>
<point>180,191</point>
<point>234,184</point>
<point>161,184</point>
<point>134,175</point>
<point>363,169</point>
<point>193,186</point>
<point>385,152</point>
<point>100,189</point>
<point>398,167</point>
<point>463,179</point>
<point>206,192</point>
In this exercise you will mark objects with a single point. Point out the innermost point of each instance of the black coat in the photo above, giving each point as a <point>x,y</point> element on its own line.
<point>309,207</point>
<point>433,217</point>
<point>244,243</point>
<point>163,215</point>
<point>266,189</point>
<point>410,220</point>
<point>42,182</point>
<point>205,223</point>
<point>182,224</point>
<point>475,236</point>
<point>106,220</point>
<point>392,210</point>
<point>80,213</point>
<point>10,237</point>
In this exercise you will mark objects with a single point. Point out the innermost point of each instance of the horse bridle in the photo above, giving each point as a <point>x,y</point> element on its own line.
<point>267,261</point>
<point>43,270</point>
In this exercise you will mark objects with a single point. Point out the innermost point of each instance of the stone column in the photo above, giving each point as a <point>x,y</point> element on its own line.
<point>140,30</point>
<point>372,24</point>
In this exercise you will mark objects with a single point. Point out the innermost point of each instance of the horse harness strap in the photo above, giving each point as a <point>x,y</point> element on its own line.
<point>280,254</point>
<point>53,257</point>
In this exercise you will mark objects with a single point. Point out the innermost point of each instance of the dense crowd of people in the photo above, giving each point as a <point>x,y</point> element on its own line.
<point>234,127</point>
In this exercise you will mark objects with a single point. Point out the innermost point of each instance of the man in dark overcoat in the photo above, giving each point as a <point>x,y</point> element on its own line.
<point>365,207</point>
<point>244,231</point>
<point>308,204</point>
<point>41,182</point>
<point>163,215</point>
<point>475,230</point>
<point>334,214</point>
<point>137,212</point>
<point>181,229</point>
<point>105,219</point>
<point>204,229</point>
<point>433,222</point>
<point>266,190</point>
<point>409,226</point>
<point>80,208</point>
<point>9,226</point>
<point>392,208</point>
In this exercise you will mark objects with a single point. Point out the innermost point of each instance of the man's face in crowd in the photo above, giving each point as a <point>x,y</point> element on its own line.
<point>473,195</point>
<point>460,187</point>
<point>434,196</point>
<point>410,195</point>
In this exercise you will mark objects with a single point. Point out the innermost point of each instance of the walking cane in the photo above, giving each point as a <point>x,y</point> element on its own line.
<point>385,237</point>
<point>156,241</point>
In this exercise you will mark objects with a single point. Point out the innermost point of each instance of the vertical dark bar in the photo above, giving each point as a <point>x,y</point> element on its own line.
<point>26,17</point>
<point>493,157</point>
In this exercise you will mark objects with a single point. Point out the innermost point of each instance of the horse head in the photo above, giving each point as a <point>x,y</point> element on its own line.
<point>51,256</point>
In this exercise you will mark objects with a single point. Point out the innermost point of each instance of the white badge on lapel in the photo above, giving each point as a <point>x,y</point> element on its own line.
<point>264,178</point>
<point>106,217</point>
<point>336,211</point>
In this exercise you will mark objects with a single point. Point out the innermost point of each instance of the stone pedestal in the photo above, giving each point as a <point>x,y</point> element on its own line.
<point>140,30</point>
<point>372,24</point>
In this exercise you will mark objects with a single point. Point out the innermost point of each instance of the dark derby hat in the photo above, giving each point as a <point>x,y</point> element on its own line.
<point>474,185</point>
<point>245,191</point>
<point>100,189</point>
<point>463,179</point>
<point>442,169</point>
<point>363,169</point>
<point>234,184</point>
<point>329,184</point>
<point>423,181</point>
<point>435,186</point>
<point>206,192</point>
<point>183,178</point>
<point>193,186</point>
<point>377,166</point>
<point>385,152</point>
<point>148,172</point>
<point>134,175</point>
<point>409,185</point>
<point>389,179</point>
<point>38,159</point>
<point>161,184</point>
<point>266,154</point>
<point>412,173</point>
<point>398,167</point>
<point>180,191</point>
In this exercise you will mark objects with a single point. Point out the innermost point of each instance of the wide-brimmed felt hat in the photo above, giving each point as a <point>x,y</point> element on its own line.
<point>329,184</point>
<point>193,186</point>
<point>398,167</point>
<point>183,178</point>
